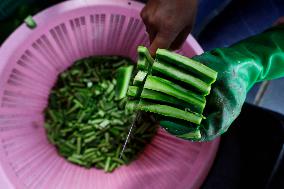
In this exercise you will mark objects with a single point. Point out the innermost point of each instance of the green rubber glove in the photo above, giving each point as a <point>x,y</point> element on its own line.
<point>239,67</point>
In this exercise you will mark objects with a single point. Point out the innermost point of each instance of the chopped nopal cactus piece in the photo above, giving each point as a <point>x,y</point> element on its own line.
<point>169,111</point>
<point>132,105</point>
<point>194,135</point>
<point>186,130</point>
<point>163,98</point>
<point>193,66</point>
<point>145,61</point>
<point>180,75</point>
<point>169,88</point>
<point>30,22</point>
<point>123,78</point>
<point>139,78</point>
<point>143,51</point>
<point>133,91</point>
<point>142,63</point>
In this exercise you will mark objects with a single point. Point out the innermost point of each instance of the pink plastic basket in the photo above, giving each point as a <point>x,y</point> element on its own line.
<point>30,61</point>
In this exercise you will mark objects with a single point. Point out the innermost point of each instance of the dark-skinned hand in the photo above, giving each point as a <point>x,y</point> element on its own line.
<point>168,22</point>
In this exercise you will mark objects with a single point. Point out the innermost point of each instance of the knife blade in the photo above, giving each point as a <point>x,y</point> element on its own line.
<point>136,117</point>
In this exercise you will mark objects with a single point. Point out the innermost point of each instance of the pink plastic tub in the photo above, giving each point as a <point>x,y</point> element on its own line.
<point>30,60</point>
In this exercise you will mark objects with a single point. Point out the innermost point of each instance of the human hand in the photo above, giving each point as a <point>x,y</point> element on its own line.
<point>168,22</point>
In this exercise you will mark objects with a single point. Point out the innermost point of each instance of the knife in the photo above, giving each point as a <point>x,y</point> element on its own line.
<point>135,119</point>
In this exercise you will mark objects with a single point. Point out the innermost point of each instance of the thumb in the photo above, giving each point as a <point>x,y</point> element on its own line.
<point>162,41</point>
